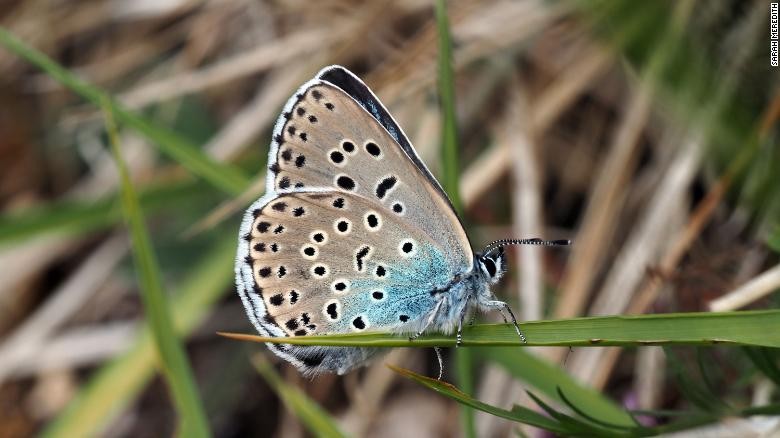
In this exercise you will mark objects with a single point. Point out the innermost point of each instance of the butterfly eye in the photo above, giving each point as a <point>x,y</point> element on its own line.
<point>490,266</point>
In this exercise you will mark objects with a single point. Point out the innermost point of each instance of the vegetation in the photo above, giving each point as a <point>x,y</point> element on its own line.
<point>644,131</point>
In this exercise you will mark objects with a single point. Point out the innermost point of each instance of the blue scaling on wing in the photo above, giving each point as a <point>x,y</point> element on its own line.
<point>404,298</point>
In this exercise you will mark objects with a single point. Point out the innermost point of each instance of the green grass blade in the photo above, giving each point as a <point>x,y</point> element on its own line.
<point>697,328</point>
<point>695,392</point>
<point>449,133</point>
<point>547,379</point>
<point>774,240</point>
<point>315,419</point>
<point>575,425</point>
<point>766,361</point>
<point>566,425</point>
<point>173,359</point>
<point>75,217</point>
<point>450,175</point>
<point>193,159</point>
<point>579,410</point>
<point>519,414</point>
<point>117,383</point>
<point>464,373</point>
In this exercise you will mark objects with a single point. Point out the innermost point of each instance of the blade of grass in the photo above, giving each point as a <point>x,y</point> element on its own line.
<point>698,328</point>
<point>519,414</point>
<point>222,176</point>
<point>74,217</point>
<point>450,170</point>
<point>766,361</point>
<point>449,130</point>
<point>548,379</point>
<point>567,425</point>
<point>587,416</point>
<point>571,423</point>
<point>307,410</point>
<point>112,388</point>
<point>694,391</point>
<point>173,359</point>
<point>774,240</point>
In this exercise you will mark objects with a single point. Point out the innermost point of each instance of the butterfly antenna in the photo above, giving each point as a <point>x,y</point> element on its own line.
<point>535,241</point>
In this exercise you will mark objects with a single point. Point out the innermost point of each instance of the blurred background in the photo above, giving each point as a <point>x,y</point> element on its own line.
<point>646,132</point>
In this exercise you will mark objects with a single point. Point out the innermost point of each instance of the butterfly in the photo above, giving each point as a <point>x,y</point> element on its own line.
<point>354,233</point>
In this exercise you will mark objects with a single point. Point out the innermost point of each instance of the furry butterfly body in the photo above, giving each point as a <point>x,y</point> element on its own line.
<point>353,233</point>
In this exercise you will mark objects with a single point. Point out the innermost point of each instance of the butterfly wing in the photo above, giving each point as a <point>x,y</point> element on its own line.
<point>342,171</point>
<point>331,139</point>
<point>333,262</point>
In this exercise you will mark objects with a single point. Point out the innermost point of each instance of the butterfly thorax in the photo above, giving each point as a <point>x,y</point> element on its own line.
<point>468,291</point>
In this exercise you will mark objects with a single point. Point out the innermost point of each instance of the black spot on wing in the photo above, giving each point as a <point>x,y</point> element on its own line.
<point>373,149</point>
<point>361,253</point>
<point>332,311</point>
<point>385,185</point>
<point>345,182</point>
<point>262,227</point>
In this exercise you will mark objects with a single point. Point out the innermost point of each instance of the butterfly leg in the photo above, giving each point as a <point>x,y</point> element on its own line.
<point>501,306</point>
<point>459,336</point>
<point>431,317</point>
<point>441,362</point>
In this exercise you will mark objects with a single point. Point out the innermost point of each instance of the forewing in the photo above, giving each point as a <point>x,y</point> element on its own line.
<point>329,140</point>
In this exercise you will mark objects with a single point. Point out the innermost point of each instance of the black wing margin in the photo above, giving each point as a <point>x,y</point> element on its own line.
<point>356,89</point>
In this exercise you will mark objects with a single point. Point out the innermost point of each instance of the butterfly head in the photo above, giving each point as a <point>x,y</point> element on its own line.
<point>491,265</point>
<point>492,261</point>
